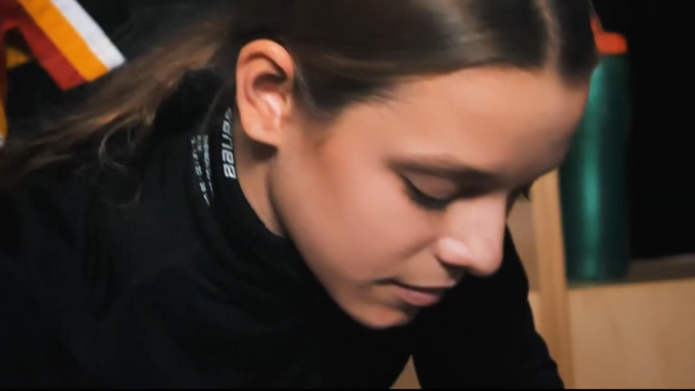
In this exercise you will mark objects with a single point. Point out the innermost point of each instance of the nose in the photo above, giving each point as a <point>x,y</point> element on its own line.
<point>473,238</point>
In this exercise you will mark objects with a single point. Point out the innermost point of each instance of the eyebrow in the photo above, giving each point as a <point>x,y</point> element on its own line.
<point>445,168</point>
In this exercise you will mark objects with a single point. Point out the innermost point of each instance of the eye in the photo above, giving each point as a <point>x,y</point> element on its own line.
<point>424,200</point>
<point>438,203</point>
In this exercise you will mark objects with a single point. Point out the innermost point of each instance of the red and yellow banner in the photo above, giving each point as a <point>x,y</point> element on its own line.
<point>62,37</point>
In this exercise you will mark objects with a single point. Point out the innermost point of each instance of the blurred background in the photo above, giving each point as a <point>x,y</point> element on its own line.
<point>660,157</point>
<point>623,315</point>
<point>607,240</point>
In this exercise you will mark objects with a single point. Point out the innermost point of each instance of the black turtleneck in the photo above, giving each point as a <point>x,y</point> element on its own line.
<point>169,279</point>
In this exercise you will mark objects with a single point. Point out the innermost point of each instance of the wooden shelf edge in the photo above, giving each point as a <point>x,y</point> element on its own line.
<point>553,320</point>
<point>658,270</point>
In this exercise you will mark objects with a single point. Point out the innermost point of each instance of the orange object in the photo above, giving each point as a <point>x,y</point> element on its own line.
<point>62,37</point>
<point>16,57</point>
<point>67,37</point>
<point>42,47</point>
<point>608,43</point>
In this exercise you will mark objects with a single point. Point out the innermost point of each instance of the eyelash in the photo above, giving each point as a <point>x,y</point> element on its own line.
<point>425,201</point>
<point>431,203</point>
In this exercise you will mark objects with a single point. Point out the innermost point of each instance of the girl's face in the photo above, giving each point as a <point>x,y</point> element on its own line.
<point>395,202</point>
<point>399,200</point>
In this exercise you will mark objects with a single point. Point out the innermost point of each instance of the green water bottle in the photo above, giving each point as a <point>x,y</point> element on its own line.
<point>593,177</point>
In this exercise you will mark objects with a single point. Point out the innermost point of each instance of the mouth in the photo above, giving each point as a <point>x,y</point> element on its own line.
<point>420,297</point>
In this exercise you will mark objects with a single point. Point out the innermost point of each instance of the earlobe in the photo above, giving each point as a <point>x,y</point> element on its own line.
<point>264,79</point>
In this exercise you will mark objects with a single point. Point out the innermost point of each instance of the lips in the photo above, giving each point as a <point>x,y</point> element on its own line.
<point>420,297</point>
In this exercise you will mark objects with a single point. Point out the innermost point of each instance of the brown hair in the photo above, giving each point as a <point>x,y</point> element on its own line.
<point>345,51</point>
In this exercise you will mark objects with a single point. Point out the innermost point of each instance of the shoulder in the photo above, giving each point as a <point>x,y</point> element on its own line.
<point>78,211</point>
<point>41,233</point>
<point>52,200</point>
<point>66,187</point>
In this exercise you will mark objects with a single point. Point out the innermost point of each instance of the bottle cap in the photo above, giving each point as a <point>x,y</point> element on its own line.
<point>608,43</point>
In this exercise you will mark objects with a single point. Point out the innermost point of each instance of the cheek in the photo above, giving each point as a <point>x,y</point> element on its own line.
<point>349,215</point>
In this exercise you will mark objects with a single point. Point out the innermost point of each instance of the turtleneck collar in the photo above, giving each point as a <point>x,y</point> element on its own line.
<point>244,245</point>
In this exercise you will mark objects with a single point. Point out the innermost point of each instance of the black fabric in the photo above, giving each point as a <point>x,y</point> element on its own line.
<point>112,280</point>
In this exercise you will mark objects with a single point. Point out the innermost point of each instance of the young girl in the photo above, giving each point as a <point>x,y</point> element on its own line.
<point>295,193</point>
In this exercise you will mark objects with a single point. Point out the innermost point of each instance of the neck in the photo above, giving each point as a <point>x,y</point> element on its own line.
<point>253,169</point>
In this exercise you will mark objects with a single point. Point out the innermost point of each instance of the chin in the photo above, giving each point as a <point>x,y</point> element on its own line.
<point>382,317</point>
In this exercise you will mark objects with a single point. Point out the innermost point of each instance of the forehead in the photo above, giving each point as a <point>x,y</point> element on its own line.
<point>494,119</point>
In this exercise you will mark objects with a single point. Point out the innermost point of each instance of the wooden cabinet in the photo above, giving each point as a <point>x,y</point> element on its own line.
<point>638,333</point>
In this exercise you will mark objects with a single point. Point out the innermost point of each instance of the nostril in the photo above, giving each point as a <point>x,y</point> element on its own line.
<point>488,268</point>
<point>456,273</point>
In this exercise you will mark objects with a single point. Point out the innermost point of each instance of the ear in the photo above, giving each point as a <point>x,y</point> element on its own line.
<point>264,81</point>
